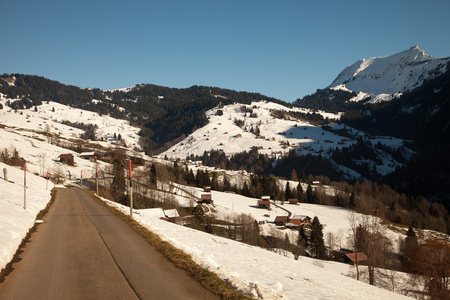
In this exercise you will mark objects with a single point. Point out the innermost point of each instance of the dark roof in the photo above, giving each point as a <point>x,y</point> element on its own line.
<point>65,155</point>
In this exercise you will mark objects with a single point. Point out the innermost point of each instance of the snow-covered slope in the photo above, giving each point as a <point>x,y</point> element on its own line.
<point>385,77</point>
<point>261,273</point>
<point>49,116</point>
<point>248,268</point>
<point>15,221</point>
<point>277,136</point>
<point>222,133</point>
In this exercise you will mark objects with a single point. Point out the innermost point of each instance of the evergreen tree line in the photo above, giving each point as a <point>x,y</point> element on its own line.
<point>11,157</point>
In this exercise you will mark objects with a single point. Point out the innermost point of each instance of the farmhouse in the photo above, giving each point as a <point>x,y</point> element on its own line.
<point>352,258</point>
<point>293,201</point>
<point>299,221</point>
<point>264,202</point>
<point>206,198</point>
<point>88,155</point>
<point>281,220</point>
<point>66,159</point>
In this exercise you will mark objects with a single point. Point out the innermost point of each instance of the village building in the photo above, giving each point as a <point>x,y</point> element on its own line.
<point>281,220</point>
<point>354,258</point>
<point>66,159</point>
<point>264,202</point>
<point>206,198</point>
<point>293,201</point>
<point>298,221</point>
<point>88,155</point>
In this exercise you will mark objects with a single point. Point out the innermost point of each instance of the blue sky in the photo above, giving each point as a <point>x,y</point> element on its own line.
<point>282,49</point>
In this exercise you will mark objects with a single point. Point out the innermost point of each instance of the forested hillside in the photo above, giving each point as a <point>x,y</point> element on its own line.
<point>421,116</point>
<point>164,114</point>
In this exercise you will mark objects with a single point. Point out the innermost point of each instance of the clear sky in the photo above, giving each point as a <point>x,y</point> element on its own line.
<point>283,49</point>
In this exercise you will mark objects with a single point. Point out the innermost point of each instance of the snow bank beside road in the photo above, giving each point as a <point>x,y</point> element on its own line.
<point>15,222</point>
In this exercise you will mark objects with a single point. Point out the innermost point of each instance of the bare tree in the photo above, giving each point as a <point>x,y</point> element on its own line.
<point>367,236</point>
<point>41,158</point>
<point>432,261</point>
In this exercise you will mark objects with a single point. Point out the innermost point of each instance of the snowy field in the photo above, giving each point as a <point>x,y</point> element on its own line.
<point>255,271</point>
<point>250,269</point>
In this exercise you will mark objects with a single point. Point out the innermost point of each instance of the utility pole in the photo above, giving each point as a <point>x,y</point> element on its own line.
<point>131,193</point>
<point>46,184</point>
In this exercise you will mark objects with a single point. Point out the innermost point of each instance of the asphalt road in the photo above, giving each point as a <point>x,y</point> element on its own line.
<point>83,251</point>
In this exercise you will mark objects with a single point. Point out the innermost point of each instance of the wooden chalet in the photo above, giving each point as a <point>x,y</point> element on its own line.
<point>88,155</point>
<point>66,159</point>
<point>298,221</point>
<point>263,204</point>
<point>352,258</point>
<point>293,201</point>
<point>206,198</point>
<point>207,189</point>
<point>281,220</point>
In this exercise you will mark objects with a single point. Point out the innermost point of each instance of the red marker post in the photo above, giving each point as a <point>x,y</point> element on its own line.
<point>25,185</point>
<point>131,192</point>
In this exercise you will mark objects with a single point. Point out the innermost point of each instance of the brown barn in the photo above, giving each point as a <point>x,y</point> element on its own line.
<point>263,204</point>
<point>207,189</point>
<point>299,221</point>
<point>66,159</point>
<point>351,257</point>
<point>206,198</point>
<point>281,220</point>
<point>88,155</point>
<point>293,201</point>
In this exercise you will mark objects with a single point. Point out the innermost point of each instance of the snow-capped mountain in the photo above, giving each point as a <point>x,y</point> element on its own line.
<point>383,78</point>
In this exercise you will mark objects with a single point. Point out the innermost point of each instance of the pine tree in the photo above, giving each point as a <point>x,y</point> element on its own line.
<point>118,185</point>
<point>294,176</point>
<point>311,196</point>
<point>303,177</point>
<point>287,191</point>
<point>352,200</point>
<point>316,241</point>
<point>245,190</point>
<point>407,247</point>
<point>153,178</point>
<point>215,181</point>
<point>300,193</point>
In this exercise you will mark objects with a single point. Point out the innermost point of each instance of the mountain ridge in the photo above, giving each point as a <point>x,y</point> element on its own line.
<point>392,74</point>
